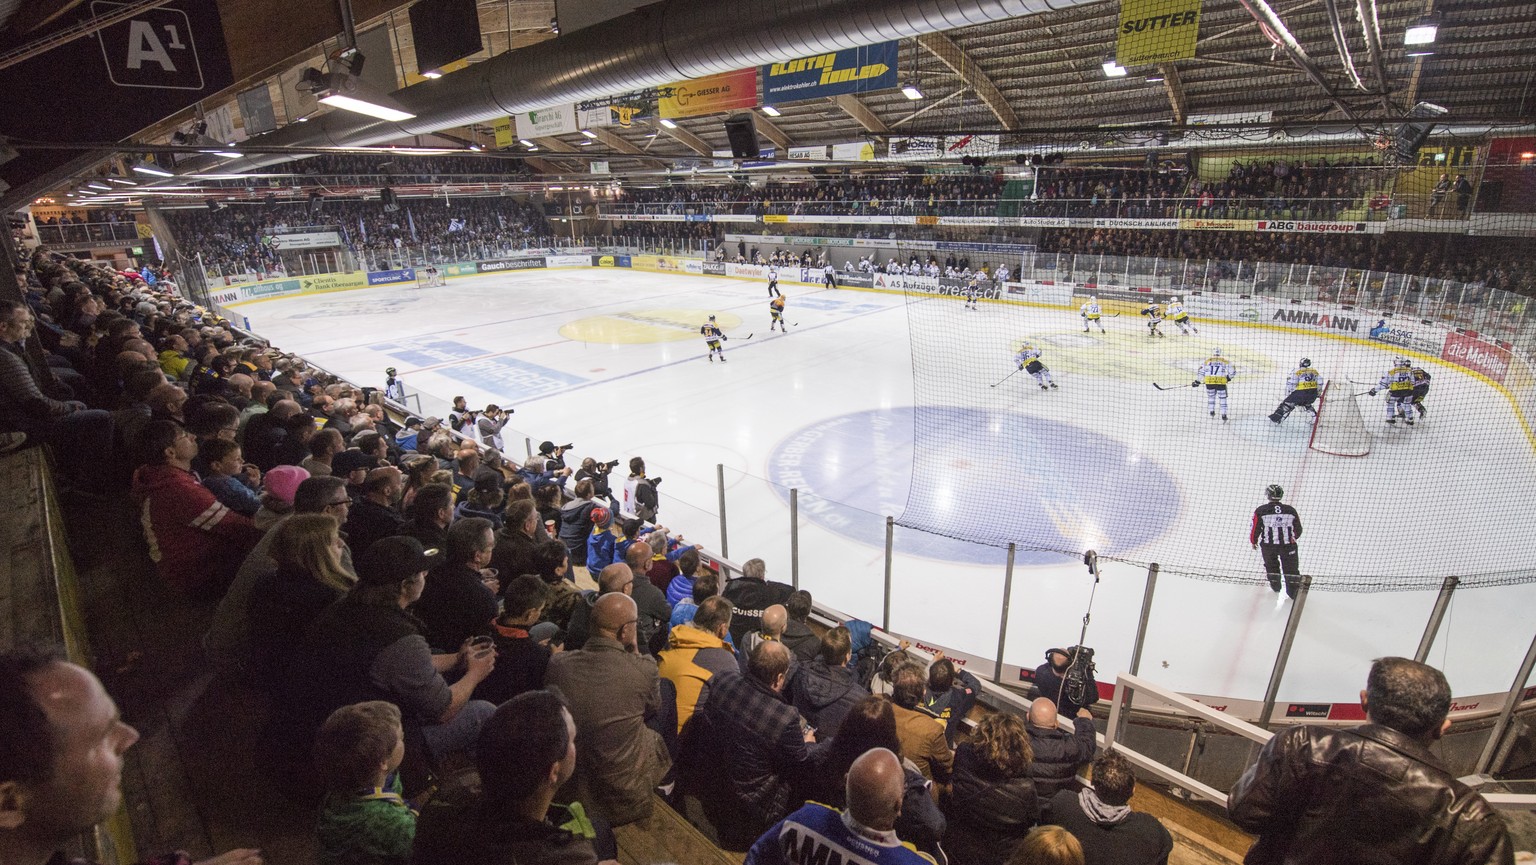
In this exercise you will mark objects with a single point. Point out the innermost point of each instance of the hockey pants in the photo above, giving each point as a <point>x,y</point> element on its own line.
<point>1282,559</point>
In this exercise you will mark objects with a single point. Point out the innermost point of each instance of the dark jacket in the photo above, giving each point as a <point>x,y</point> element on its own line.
<point>575,525</point>
<point>801,640</point>
<point>1366,794</point>
<point>1049,683</point>
<point>578,626</point>
<point>765,752</point>
<point>1139,839</point>
<point>283,604</point>
<point>369,522</point>
<point>431,535</point>
<point>513,555</point>
<point>748,599</point>
<point>655,615</point>
<point>988,813</point>
<point>520,665</point>
<point>455,605</point>
<point>953,705</point>
<point>823,695</point>
<point>1058,754</point>
<point>453,834</point>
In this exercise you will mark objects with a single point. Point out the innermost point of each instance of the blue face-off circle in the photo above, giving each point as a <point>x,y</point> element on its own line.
<point>1044,484</point>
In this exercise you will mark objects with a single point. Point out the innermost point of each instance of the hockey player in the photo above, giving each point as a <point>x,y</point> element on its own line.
<point>1420,389</point>
<point>829,276</point>
<point>1303,385</point>
<point>1215,374</point>
<point>1273,532</point>
<point>776,309</point>
<point>1028,359</point>
<point>1091,311</point>
<point>1154,314</point>
<point>394,389</point>
<point>773,282</point>
<point>972,293</point>
<point>1398,383</point>
<point>1180,317</point>
<point>713,336</point>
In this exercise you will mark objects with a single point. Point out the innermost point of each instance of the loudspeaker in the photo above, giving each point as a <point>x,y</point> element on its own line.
<point>1411,136</point>
<point>315,201</point>
<point>742,132</point>
<point>445,31</point>
<point>390,200</point>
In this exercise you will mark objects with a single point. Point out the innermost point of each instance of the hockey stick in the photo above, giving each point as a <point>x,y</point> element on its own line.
<point>1008,376</point>
<point>1167,387</point>
<point>1113,315</point>
<point>1361,393</point>
<point>749,336</point>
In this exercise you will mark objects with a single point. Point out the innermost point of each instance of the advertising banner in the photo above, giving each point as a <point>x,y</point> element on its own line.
<point>814,153</point>
<point>1217,224</point>
<point>917,147</point>
<point>710,95</point>
<point>460,268</point>
<point>610,261</point>
<point>558,120</point>
<point>568,261</point>
<point>1478,355</point>
<point>331,282</point>
<point>1304,226</point>
<point>1155,31</point>
<point>713,268</point>
<point>665,263</point>
<point>1417,335</point>
<point>855,280</point>
<point>384,277</point>
<point>503,264</point>
<point>856,70</point>
<point>275,288</point>
<point>971,145</point>
<point>1151,224</point>
<point>856,151</point>
<point>305,240</point>
<point>1037,292</point>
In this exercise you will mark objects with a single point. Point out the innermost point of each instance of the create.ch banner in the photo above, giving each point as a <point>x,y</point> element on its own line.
<point>710,95</point>
<point>856,70</point>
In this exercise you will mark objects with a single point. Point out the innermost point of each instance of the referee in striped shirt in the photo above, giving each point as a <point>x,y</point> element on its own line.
<point>1276,526</point>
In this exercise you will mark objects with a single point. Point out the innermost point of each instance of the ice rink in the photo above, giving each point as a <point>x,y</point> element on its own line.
<point>612,361</point>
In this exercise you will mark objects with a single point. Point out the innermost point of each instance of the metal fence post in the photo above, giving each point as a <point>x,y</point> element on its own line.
<point>1435,617</point>
<point>1516,691</point>
<point>794,537</point>
<point>1284,655</point>
<point>1146,616</point>
<point>725,547</point>
<point>890,543</point>
<point>1002,625</point>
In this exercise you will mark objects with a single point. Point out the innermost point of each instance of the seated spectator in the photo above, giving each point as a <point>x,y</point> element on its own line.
<point>373,516</point>
<point>279,487</point>
<point>602,541</point>
<point>922,735</point>
<point>1051,681</point>
<point>866,832</point>
<point>750,594</point>
<point>459,601</point>
<point>827,687</point>
<point>231,480</point>
<point>1048,845</point>
<point>798,636</point>
<point>655,615</point>
<point>547,500</point>
<point>429,516</point>
<point>526,753</point>
<point>612,689</point>
<point>615,579</point>
<point>323,448</point>
<point>298,431</point>
<point>871,724</point>
<point>764,747</point>
<point>195,541</point>
<point>952,693</point>
<point>265,432</point>
<point>33,402</point>
<point>1100,818</point>
<point>680,589</point>
<point>553,566</point>
<point>484,500</point>
<point>353,465</point>
<point>697,652</point>
<point>1058,754</point>
<point>307,577</point>
<point>516,540</point>
<point>770,628</point>
<point>368,647</point>
<point>1373,793</point>
<point>364,817</point>
<point>524,645</point>
<point>992,805</point>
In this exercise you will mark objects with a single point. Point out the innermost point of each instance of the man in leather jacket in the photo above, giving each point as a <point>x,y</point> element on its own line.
<point>1373,793</point>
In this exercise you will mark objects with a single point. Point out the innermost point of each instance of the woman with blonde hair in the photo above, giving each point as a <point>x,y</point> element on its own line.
<point>418,470</point>
<point>992,804</point>
<point>309,577</point>
<point>1048,845</point>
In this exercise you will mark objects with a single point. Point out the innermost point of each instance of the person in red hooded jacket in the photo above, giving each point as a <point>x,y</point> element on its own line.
<point>195,541</point>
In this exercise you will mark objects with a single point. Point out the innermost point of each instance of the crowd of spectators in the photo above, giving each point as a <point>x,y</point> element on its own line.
<point>366,169</point>
<point>935,194</point>
<point>84,226</point>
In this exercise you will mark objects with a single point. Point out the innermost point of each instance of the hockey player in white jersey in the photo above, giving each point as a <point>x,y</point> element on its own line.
<point>1180,317</point>
<point>1303,386</point>
<point>1398,383</point>
<point>1154,314</point>
<point>1215,374</point>
<point>972,293</point>
<point>1091,313</point>
<point>1028,360</point>
<point>394,388</point>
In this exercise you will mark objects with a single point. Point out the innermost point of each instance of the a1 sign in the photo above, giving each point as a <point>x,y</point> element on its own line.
<point>154,48</point>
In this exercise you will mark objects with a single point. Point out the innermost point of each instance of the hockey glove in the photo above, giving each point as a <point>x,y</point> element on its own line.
<point>1371,392</point>
<point>1195,383</point>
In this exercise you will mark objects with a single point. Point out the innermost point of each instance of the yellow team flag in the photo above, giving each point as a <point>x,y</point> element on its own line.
<point>1154,31</point>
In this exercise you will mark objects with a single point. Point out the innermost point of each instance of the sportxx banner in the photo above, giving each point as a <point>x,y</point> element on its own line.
<point>711,94</point>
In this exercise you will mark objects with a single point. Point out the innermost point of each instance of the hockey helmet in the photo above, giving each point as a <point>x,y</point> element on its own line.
<point>1306,362</point>
<point>1399,361</point>
<point>389,371</point>
<point>1093,298</point>
<point>1216,352</point>
<point>711,318</point>
<point>1173,300</point>
<point>1274,492</point>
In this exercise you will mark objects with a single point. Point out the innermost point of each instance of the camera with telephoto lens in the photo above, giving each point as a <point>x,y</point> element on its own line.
<point>605,468</point>
<point>655,482</point>
<point>565,447</point>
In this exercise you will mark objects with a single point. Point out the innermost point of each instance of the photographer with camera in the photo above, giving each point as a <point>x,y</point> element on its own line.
<point>597,473</point>
<point>489,425</point>
<point>640,492</point>
<point>461,417</point>
<point>1066,679</point>
<point>553,454</point>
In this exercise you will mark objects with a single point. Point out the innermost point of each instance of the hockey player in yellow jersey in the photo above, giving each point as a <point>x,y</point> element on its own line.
<point>776,309</point>
<point>1180,317</point>
<point>713,336</point>
<point>1091,313</point>
<point>1303,385</point>
<point>1215,374</point>
<point>1398,383</point>
<point>1028,360</point>
<point>1421,379</point>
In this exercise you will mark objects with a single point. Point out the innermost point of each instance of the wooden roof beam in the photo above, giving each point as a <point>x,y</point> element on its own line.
<point>689,140</point>
<point>772,132</point>
<point>1175,88</point>
<point>860,112</point>
<point>949,52</point>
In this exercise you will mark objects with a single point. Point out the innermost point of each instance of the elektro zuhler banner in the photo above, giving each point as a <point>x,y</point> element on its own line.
<point>856,70</point>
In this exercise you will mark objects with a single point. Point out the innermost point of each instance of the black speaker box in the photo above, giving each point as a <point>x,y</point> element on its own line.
<point>742,132</point>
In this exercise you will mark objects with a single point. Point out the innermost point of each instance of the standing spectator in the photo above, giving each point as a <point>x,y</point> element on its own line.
<point>826,687</point>
<point>750,594</point>
<point>1274,531</point>
<point>515,542</point>
<point>576,521</point>
<point>798,636</point>
<point>680,589</point>
<point>373,516</point>
<point>1437,195</point>
<point>1051,682</point>
<point>705,585</point>
<point>364,817</point>
<point>655,615</point>
<point>993,803</point>
<point>1101,819</point>
<point>922,735</point>
<point>770,629</point>
<point>612,689</point>
<point>952,693</point>
<point>1373,793</point>
<point>195,541</point>
<point>1463,188</point>
<point>640,493</point>
<point>696,653</point>
<point>1058,754</point>
<point>459,601</point>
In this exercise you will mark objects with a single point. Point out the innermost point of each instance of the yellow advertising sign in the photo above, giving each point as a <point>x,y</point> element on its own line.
<point>775,218</point>
<point>502,126</point>
<point>1154,31</point>
<point>144,231</point>
<point>711,94</point>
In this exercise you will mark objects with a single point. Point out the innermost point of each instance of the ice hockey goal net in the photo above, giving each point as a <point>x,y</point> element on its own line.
<point>426,280</point>
<point>1339,428</point>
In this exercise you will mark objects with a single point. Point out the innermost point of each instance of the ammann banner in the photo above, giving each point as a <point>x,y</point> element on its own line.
<point>710,95</point>
<point>1154,31</point>
<point>856,70</point>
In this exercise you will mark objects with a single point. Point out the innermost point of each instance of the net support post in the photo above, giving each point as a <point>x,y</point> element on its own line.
<point>528,446</point>
<point>1511,700</point>
<point>1146,616</point>
<point>725,547</point>
<point>1002,623</point>
<point>1284,655</point>
<point>890,544</point>
<point>794,537</point>
<point>1436,616</point>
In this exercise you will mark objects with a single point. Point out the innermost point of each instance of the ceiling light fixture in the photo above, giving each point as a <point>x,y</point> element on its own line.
<point>432,73</point>
<point>1113,69</point>
<point>152,170</point>
<point>910,91</point>
<point>1422,31</point>
<point>771,111</point>
<point>589,133</point>
<point>121,181</point>
<point>667,123</point>
<point>102,186</point>
<point>526,142</point>
<point>346,91</point>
